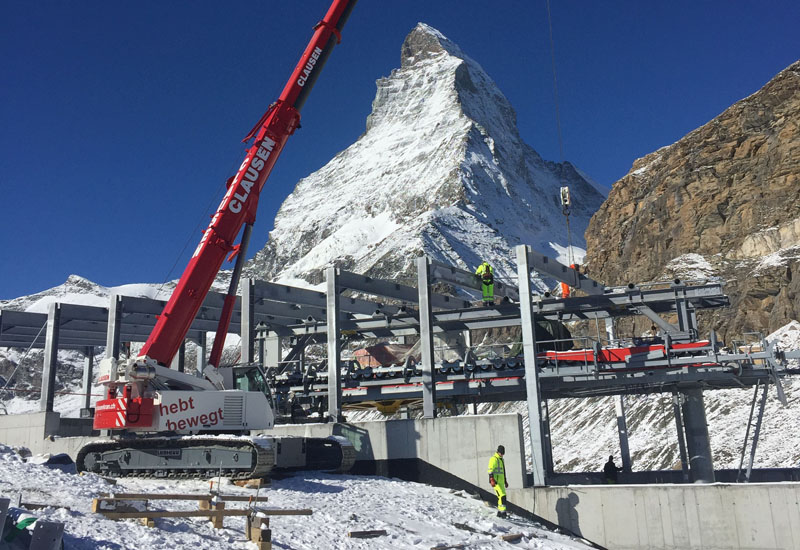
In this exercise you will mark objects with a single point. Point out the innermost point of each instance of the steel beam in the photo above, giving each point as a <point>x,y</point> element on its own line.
<point>50,357</point>
<point>397,291</point>
<point>426,340</point>
<point>302,296</point>
<point>560,272</point>
<point>537,432</point>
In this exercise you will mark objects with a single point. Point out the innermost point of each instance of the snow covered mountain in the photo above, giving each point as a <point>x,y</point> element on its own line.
<point>78,290</point>
<point>441,170</point>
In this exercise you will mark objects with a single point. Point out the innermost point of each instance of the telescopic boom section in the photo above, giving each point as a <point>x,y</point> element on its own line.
<point>240,202</point>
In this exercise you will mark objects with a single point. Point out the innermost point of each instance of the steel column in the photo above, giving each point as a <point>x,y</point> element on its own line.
<point>202,344</point>
<point>248,321</point>
<point>334,357</point>
<point>179,361</point>
<point>50,358</point>
<point>426,339</point>
<point>272,350</point>
<point>701,465</point>
<point>548,439</point>
<point>622,429</point>
<point>114,329</point>
<point>86,386</point>
<point>676,409</point>
<point>757,431</point>
<point>537,432</point>
<point>261,353</point>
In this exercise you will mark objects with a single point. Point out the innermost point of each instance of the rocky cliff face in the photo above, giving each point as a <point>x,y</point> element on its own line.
<point>724,201</point>
<point>440,170</point>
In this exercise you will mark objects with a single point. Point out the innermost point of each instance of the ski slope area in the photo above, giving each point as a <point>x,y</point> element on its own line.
<point>413,515</point>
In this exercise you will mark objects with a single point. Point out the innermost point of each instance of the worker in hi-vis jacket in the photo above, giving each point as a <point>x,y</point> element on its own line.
<point>497,479</point>
<point>485,273</point>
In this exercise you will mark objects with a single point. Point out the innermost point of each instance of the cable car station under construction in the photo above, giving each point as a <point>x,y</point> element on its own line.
<point>648,509</point>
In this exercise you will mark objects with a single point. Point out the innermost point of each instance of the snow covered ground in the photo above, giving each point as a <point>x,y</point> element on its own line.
<point>415,516</point>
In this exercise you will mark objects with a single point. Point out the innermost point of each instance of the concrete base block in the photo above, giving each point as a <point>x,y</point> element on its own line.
<point>697,516</point>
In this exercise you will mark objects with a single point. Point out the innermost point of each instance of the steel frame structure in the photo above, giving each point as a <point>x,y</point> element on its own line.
<point>272,313</point>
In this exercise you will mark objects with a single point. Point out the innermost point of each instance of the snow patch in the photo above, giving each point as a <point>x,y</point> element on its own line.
<point>693,267</point>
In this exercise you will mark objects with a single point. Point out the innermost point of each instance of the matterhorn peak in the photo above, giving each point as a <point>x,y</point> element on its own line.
<point>424,42</point>
<point>441,170</point>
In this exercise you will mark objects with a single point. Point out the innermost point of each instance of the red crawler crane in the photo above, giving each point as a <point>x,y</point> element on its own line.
<point>143,394</point>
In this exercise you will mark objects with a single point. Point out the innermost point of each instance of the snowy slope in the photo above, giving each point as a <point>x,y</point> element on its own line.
<point>440,170</point>
<point>414,515</point>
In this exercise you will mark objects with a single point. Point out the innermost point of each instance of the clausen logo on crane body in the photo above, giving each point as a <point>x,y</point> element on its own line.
<point>301,80</point>
<point>254,166</point>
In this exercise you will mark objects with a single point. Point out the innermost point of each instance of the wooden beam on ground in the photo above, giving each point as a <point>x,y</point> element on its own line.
<point>175,514</point>
<point>165,496</point>
<point>367,534</point>
<point>283,512</point>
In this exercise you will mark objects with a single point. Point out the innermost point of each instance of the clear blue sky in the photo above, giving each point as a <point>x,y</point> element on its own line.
<point>120,121</point>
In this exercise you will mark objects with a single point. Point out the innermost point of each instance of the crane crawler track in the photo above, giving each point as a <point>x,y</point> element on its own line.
<point>176,457</point>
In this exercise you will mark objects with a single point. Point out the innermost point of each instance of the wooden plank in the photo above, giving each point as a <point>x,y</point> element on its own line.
<point>175,514</point>
<point>367,534</point>
<point>157,496</point>
<point>512,537</point>
<point>283,512</point>
<point>449,547</point>
<point>203,513</point>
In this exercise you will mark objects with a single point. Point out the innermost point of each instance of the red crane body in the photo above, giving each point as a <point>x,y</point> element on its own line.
<point>240,202</point>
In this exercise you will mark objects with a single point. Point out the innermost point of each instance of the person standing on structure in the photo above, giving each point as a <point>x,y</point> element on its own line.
<point>485,273</point>
<point>610,470</point>
<point>497,479</point>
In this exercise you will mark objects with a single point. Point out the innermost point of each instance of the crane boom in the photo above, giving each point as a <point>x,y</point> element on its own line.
<point>240,202</point>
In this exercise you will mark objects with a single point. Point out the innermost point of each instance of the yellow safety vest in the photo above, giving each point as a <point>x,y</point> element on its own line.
<point>497,468</point>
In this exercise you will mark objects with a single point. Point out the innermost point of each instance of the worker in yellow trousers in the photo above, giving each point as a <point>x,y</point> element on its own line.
<point>485,273</point>
<point>497,479</point>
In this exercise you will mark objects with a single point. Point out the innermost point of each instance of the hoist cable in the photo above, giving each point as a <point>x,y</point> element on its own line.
<point>570,257</point>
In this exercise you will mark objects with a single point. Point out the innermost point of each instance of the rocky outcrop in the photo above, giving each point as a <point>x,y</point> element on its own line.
<point>724,201</point>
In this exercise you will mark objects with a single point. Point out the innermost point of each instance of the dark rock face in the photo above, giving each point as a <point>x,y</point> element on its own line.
<point>725,198</point>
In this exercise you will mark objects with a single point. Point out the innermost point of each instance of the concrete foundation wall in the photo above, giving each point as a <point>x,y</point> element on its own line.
<point>45,432</point>
<point>460,445</point>
<point>716,516</point>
